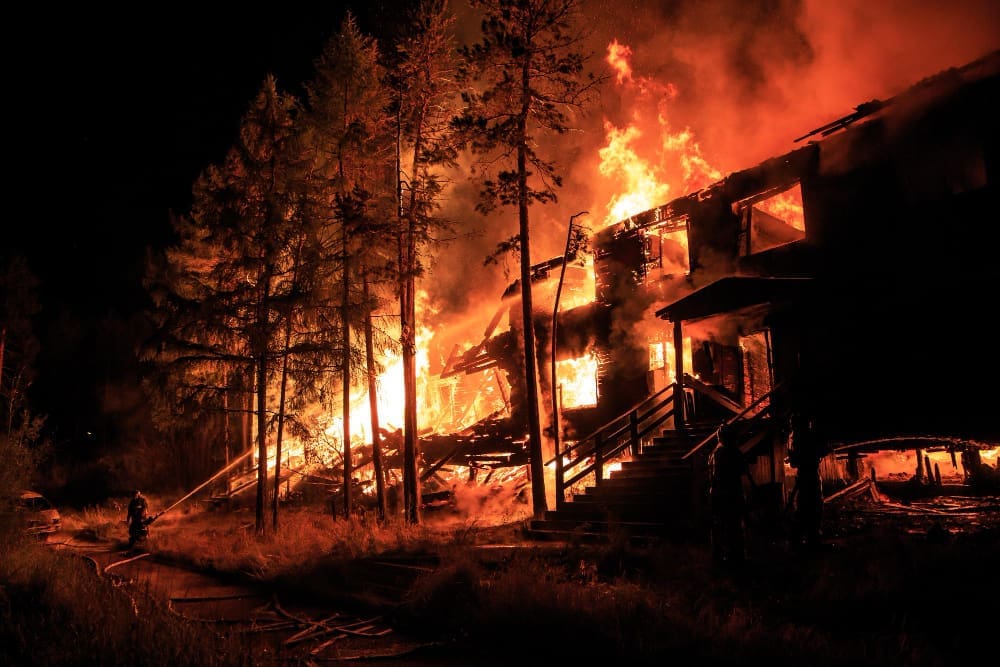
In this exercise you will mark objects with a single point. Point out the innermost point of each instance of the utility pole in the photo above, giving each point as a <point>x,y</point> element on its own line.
<point>553,386</point>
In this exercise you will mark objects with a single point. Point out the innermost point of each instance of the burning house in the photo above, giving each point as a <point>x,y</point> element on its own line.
<point>860,266</point>
<point>852,277</point>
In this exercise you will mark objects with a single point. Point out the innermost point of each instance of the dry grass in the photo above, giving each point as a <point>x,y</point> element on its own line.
<point>230,543</point>
<point>227,541</point>
<point>55,610</point>
<point>640,607</point>
<point>888,598</point>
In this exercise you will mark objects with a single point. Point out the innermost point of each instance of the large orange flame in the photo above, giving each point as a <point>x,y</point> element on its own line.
<point>577,382</point>
<point>618,58</point>
<point>639,182</point>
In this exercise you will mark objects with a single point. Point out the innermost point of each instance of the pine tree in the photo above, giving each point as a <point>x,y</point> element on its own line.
<point>233,265</point>
<point>20,428</point>
<point>423,75</point>
<point>347,132</point>
<point>524,78</point>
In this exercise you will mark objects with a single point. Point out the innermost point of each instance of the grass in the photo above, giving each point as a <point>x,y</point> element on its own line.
<point>886,595</point>
<point>55,610</point>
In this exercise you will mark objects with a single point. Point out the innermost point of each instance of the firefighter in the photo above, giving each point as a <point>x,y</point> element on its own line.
<point>137,519</point>
<point>807,448</point>
<point>728,500</point>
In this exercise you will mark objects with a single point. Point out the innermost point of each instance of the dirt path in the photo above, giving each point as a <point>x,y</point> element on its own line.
<point>288,631</point>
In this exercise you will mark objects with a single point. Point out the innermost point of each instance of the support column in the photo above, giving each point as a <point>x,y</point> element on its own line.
<point>680,420</point>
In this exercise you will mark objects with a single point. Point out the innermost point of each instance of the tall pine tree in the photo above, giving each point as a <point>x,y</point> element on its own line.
<point>347,130</point>
<point>524,77</point>
<point>232,264</point>
<point>423,77</point>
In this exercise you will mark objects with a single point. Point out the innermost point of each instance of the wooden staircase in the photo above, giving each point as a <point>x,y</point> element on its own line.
<point>655,496</point>
<point>661,492</point>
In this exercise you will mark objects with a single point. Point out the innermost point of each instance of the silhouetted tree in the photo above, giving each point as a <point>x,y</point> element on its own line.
<point>524,77</point>
<point>346,131</point>
<point>233,264</point>
<point>422,75</point>
<point>20,444</point>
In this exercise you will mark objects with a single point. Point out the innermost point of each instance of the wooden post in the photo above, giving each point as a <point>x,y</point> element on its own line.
<point>598,459</point>
<point>633,428</point>
<point>680,420</point>
<point>560,483</point>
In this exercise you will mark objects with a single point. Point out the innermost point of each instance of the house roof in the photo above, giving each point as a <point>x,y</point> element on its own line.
<point>733,293</point>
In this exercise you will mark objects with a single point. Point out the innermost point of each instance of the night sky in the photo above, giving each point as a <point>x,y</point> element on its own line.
<point>125,110</point>
<point>115,114</point>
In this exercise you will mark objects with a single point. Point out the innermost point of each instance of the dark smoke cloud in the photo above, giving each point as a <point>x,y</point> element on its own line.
<point>753,75</point>
<point>749,76</point>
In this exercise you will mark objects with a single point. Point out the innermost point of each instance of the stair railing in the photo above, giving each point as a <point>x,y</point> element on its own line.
<point>629,431</point>
<point>712,394</point>
<point>744,422</point>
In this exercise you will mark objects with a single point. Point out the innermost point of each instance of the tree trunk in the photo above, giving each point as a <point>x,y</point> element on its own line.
<point>539,502</point>
<point>261,441</point>
<point>281,425</point>
<point>373,408</point>
<point>346,363</point>
<point>226,432</point>
<point>411,439</point>
<point>261,342</point>
<point>408,330</point>
<point>246,422</point>
<point>3,344</point>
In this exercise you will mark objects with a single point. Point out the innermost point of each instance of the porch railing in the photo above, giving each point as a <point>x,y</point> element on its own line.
<point>751,424</point>
<point>629,431</point>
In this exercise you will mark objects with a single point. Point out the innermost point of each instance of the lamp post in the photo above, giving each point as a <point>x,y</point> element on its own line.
<point>553,387</point>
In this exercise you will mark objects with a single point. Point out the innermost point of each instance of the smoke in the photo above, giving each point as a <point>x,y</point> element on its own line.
<point>750,76</point>
<point>499,499</point>
<point>738,80</point>
<point>726,330</point>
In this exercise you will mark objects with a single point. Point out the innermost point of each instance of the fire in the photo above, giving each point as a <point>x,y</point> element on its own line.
<point>642,188</point>
<point>641,183</point>
<point>697,172</point>
<point>444,405</point>
<point>391,396</point>
<point>901,464</point>
<point>786,206</point>
<point>618,58</point>
<point>579,286</point>
<point>661,360</point>
<point>577,380</point>
<point>640,160</point>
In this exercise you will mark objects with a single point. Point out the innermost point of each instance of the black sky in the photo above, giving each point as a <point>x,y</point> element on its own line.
<point>113,115</point>
<point>124,110</point>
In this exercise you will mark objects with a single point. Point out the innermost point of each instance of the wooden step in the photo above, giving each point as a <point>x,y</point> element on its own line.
<point>666,474</point>
<point>624,513</point>
<point>590,537</point>
<point>606,527</point>
<point>647,498</point>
